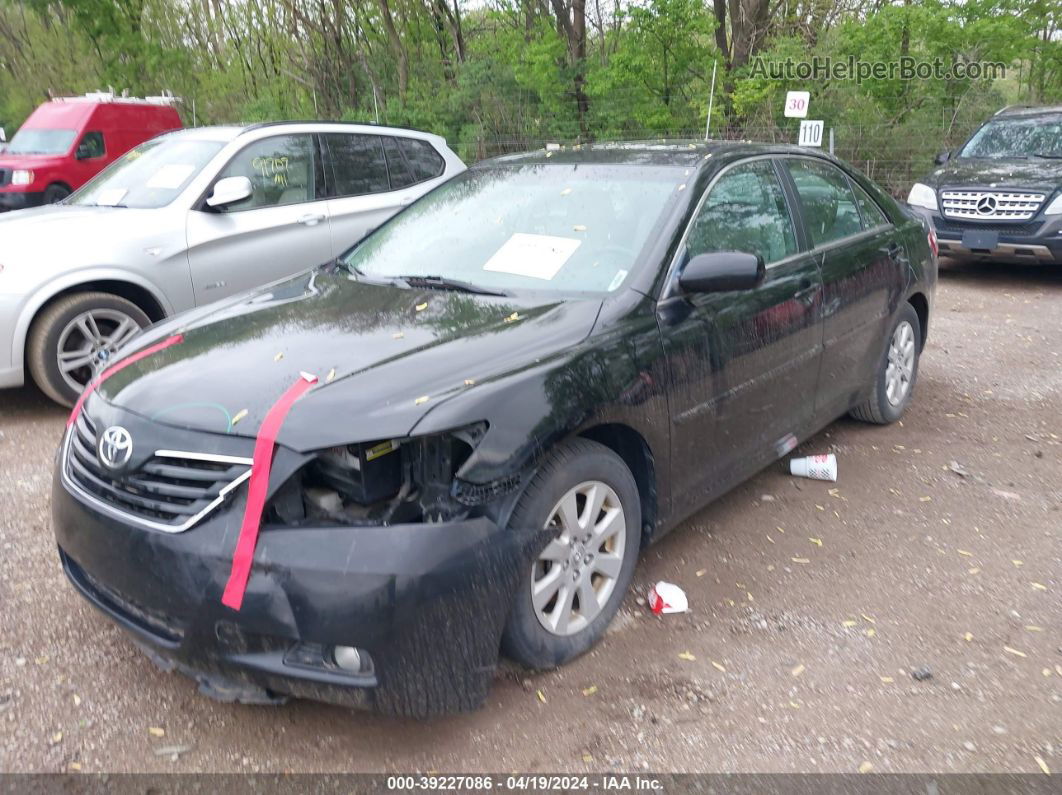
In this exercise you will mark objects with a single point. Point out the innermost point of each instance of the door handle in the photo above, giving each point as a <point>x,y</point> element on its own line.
<point>311,219</point>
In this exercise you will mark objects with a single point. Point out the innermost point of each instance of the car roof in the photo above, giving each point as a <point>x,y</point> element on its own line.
<point>648,153</point>
<point>1029,110</point>
<point>230,132</point>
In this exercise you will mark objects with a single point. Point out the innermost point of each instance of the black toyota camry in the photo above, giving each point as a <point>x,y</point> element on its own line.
<point>362,484</point>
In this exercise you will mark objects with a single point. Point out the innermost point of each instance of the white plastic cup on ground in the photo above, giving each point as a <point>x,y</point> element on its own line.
<point>666,597</point>
<point>816,467</point>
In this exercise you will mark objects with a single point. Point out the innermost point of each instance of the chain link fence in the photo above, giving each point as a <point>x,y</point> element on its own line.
<point>893,156</point>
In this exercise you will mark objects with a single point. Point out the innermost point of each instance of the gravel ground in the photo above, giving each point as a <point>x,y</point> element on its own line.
<point>813,606</point>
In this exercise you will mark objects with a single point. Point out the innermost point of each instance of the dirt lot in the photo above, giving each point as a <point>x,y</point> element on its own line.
<point>811,607</point>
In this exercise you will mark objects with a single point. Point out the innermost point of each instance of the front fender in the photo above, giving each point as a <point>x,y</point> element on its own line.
<point>612,378</point>
<point>66,281</point>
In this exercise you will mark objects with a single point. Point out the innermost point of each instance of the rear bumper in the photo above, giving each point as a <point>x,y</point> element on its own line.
<point>20,201</point>
<point>427,602</point>
<point>1032,242</point>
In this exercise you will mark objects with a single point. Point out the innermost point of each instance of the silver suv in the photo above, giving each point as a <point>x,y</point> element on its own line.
<point>188,218</point>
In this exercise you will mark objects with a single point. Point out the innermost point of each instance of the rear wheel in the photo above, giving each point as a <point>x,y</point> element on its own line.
<point>75,334</point>
<point>587,499</point>
<point>894,379</point>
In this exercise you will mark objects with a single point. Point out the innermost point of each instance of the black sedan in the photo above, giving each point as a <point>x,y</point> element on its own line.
<point>361,484</point>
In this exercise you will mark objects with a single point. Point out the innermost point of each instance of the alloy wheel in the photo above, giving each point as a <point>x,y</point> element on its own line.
<point>90,339</point>
<point>576,574</point>
<point>900,369</point>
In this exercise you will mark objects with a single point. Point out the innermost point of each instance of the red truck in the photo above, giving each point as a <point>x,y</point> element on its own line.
<point>66,142</point>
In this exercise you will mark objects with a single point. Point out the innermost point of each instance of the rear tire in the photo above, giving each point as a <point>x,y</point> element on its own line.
<point>897,371</point>
<point>55,193</point>
<point>584,570</point>
<point>73,335</point>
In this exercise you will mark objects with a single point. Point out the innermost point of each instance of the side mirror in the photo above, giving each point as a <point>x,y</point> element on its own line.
<point>229,191</point>
<point>84,152</point>
<point>720,271</point>
<point>942,158</point>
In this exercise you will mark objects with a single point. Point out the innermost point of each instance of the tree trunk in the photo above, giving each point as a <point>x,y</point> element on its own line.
<point>401,58</point>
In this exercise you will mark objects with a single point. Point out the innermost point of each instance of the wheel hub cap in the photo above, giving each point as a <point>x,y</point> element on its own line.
<point>899,371</point>
<point>576,574</point>
<point>91,339</point>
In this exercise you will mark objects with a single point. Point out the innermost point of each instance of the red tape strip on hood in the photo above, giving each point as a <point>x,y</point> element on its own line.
<point>176,339</point>
<point>243,557</point>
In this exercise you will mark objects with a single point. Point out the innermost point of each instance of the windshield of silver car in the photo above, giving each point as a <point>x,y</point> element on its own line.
<point>547,227</point>
<point>149,176</point>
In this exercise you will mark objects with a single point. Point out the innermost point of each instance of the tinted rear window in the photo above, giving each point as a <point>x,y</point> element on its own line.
<point>401,175</point>
<point>358,164</point>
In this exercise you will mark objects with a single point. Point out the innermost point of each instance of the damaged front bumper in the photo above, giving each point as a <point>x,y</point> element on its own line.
<point>424,602</point>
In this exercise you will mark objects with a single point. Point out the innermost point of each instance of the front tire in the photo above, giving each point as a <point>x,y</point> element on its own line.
<point>588,498</point>
<point>73,335</point>
<point>894,379</point>
<point>55,193</point>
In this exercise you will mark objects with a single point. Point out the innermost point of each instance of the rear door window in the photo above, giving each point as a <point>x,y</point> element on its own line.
<point>282,170</point>
<point>401,174</point>
<point>826,200</point>
<point>358,163</point>
<point>745,211</point>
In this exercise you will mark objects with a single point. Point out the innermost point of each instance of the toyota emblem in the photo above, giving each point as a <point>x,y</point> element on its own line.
<point>986,205</point>
<point>115,447</point>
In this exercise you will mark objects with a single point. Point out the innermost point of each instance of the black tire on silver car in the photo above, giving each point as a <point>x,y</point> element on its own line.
<point>72,334</point>
<point>895,377</point>
<point>588,498</point>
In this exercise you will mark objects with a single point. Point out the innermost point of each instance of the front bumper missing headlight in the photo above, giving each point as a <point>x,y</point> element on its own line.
<point>425,602</point>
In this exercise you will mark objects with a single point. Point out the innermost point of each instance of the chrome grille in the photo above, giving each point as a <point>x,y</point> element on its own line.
<point>990,205</point>
<point>171,491</point>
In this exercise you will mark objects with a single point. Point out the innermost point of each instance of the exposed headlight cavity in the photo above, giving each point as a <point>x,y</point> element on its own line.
<point>378,483</point>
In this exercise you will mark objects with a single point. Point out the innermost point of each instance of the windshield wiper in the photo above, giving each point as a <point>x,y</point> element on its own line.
<point>444,283</point>
<point>1047,156</point>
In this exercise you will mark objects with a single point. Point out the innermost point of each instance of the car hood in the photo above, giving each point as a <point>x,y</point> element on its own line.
<point>30,161</point>
<point>384,357</point>
<point>1031,174</point>
<point>59,233</point>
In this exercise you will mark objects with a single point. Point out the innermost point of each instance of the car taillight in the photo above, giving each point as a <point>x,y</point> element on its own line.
<point>932,237</point>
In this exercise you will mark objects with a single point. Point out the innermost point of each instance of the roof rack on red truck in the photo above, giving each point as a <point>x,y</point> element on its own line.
<point>69,140</point>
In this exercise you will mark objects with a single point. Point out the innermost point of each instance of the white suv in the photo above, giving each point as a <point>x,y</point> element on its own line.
<point>188,218</point>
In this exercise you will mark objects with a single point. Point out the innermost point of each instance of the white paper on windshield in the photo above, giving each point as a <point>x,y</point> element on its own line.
<point>170,177</point>
<point>111,196</point>
<point>617,280</point>
<point>534,256</point>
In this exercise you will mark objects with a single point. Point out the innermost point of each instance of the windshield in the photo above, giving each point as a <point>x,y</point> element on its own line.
<point>41,142</point>
<point>564,228</point>
<point>149,176</point>
<point>1040,135</point>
